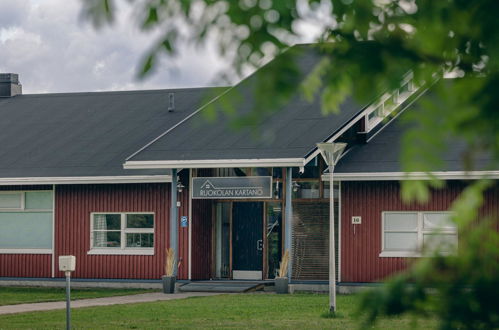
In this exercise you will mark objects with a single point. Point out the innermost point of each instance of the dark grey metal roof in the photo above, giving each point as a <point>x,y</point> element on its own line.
<point>382,153</point>
<point>289,131</point>
<point>86,134</point>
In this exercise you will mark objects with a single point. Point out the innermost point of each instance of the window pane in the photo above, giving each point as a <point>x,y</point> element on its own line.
<point>401,241</point>
<point>262,171</point>
<point>139,221</point>
<point>107,239</point>
<point>10,201</point>
<point>401,221</point>
<point>438,221</point>
<point>139,240</point>
<point>326,190</point>
<point>26,230</point>
<point>38,200</point>
<point>107,221</point>
<point>306,189</point>
<point>442,242</point>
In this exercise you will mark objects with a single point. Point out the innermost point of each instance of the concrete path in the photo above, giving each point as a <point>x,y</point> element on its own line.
<point>131,299</point>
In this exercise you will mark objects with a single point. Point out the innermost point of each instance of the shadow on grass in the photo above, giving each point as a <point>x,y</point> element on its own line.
<point>331,315</point>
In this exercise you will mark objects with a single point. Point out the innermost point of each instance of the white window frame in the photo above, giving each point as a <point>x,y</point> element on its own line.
<point>123,250</point>
<point>421,231</point>
<point>22,209</point>
<point>10,209</point>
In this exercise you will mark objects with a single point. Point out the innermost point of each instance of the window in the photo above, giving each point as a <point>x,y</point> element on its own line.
<point>122,233</point>
<point>26,222</point>
<point>408,234</point>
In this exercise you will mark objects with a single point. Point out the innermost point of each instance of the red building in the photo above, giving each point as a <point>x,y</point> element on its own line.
<point>115,178</point>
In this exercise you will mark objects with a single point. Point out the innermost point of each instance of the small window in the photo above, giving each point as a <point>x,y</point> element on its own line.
<point>122,232</point>
<point>408,234</point>
<point>11,200</point>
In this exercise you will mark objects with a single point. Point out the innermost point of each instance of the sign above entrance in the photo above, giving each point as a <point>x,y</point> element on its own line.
<point>232,187</point>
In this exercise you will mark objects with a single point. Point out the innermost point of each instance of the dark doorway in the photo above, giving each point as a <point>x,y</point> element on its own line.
<point>247,240</point>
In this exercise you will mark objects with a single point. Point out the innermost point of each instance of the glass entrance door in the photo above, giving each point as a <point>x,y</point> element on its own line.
<point>247,240</point>
<point>222,240</point>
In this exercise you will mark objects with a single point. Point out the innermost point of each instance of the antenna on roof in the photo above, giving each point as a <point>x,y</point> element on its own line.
<point>171,102</point>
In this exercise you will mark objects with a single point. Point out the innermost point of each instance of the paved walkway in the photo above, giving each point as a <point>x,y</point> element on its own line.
<point>131,299</point>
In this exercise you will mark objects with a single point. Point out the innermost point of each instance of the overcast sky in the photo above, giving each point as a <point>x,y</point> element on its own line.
<point>54,50</point>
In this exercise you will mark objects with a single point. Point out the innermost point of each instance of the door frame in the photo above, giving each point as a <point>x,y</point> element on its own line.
<point>213,235</point>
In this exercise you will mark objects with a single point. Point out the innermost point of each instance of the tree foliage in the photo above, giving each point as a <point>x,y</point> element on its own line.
<point>368,45</point>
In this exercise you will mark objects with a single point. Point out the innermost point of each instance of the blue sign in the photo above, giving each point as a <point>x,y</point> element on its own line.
<point>184,222</point>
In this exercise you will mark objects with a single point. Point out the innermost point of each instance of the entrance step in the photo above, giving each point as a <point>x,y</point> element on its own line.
<point>225,286</point>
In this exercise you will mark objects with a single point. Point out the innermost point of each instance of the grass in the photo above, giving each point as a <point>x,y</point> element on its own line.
<point>23,295</point>
<point>244,311</point>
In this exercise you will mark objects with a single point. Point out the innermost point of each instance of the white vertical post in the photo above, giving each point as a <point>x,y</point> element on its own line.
<point>190,223</point>
<point>174,219</point>
<point>331,152</point>
<point>332,248</point>
<point>289,218</point>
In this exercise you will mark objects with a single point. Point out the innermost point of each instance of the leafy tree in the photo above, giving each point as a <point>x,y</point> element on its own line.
<point>367,46</point>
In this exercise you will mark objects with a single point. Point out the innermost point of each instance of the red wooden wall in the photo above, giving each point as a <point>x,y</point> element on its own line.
<point>74,203</point>
<point>201,239</point>
<point>25,265</point>
<point>360,261</point>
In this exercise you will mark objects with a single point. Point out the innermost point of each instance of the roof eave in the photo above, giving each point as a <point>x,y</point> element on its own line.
<point>214,163</point>
<point>398,176</point>
<point>85,180</point>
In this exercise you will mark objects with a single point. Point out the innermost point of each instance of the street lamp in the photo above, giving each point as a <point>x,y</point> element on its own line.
<point>331,152</point>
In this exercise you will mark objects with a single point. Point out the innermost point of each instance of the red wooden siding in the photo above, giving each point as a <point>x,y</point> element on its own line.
<point>201,239</point>
<point>74,203</point>
<point>360,261</point>
<point>25,265</point>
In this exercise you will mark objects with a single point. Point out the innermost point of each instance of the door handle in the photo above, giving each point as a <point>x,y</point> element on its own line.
<point>259,245</point>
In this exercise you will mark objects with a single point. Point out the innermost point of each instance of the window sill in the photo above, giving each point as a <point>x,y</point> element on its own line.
<point>400,254</point>
<point>25,251</point>
<point>132,252</point>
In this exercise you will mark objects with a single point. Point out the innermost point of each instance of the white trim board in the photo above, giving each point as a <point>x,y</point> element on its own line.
<point>397,176</point>
<point>214,163</point>
<point>85,180</point>
<point>25,251</point>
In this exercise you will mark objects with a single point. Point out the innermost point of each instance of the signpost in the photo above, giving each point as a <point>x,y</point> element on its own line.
<point>67,264</point>
<point>232,187</point>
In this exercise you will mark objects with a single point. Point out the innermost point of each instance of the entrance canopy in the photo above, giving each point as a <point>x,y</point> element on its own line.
<point>283,136</point>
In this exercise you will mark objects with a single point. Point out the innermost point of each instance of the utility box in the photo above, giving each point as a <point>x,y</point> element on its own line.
<point>67,263</point>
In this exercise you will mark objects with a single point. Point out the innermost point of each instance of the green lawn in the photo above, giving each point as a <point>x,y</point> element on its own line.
<point>22,295</point>
<point>259,310</point>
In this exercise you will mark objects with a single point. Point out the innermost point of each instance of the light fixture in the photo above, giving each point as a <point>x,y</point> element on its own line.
<point>296,186</point>
<point>180,186</point>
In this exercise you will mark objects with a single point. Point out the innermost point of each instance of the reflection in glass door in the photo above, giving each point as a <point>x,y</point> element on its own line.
<point>274,237</point>
<point>222,234</point>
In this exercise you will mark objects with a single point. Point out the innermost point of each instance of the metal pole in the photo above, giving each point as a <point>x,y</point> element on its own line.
<point>174,219</point>
<point>68,300</point>
<point>288,215</point>
<point>332,256</point>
